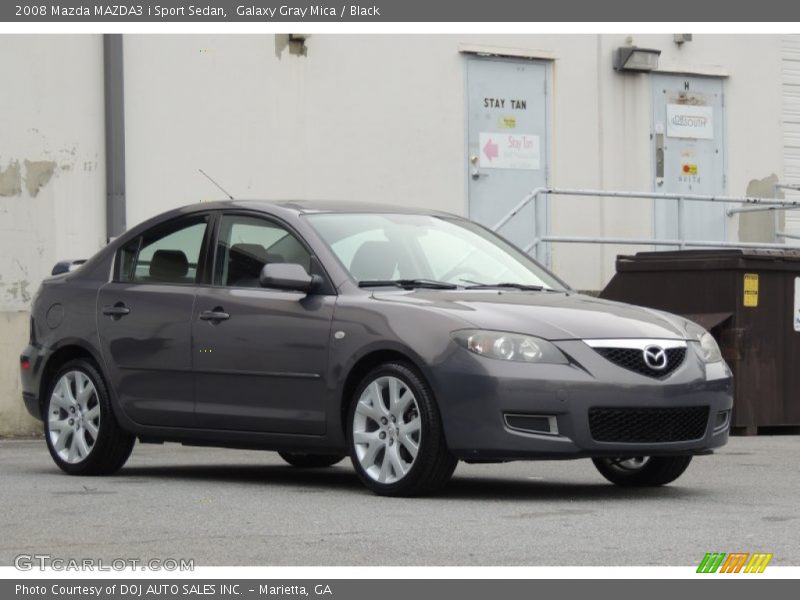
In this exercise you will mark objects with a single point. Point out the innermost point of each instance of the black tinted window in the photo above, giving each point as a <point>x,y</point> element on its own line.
<point>246,244</point>
<point>167,254</point>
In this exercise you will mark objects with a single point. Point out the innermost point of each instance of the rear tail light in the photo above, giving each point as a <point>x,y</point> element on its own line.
<point>24,363</point>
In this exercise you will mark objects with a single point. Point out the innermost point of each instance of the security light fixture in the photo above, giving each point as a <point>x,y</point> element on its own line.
<point>631,58</point>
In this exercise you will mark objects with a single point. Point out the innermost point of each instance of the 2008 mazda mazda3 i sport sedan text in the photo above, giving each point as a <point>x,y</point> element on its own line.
<point>408,339</point>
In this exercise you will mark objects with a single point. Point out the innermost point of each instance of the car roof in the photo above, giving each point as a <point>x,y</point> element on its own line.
<point>314,206</point>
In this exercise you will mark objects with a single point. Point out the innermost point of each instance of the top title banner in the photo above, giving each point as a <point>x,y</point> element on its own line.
<point>184,11</point>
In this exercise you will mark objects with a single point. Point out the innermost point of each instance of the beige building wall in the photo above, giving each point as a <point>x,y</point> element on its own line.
<point>373,118</point>
<point>382,118</point>
<point>52,181</point>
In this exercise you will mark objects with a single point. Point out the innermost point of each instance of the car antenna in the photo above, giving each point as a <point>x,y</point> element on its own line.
<point>216,184</point>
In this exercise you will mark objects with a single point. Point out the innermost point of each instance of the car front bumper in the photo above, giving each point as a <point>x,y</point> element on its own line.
<point>476,396</point>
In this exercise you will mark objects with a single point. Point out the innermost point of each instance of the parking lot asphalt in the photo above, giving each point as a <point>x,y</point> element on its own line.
<point>229,507</point>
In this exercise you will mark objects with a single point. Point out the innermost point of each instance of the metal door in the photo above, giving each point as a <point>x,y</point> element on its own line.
<point>145,334</point>
<point>688,134</point>
<point>144,322</point>
<point>262,369</point>
<point>260,355</point>
<point>507,143</point>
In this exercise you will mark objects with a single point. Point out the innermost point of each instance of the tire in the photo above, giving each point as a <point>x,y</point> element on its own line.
<point>398,448</point>
<point>646,471</point>
<point>82,434</point>
<point>310,461</point>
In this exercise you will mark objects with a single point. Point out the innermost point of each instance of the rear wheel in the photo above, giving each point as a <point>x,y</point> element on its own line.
<point>642,471</point>
<point>395,432</point>
<point>310,461</point>
<point>82,434</point>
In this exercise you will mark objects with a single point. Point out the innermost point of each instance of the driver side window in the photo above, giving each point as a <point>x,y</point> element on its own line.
<point>247,243</point>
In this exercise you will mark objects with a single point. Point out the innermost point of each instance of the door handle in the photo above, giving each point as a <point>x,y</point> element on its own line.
<point>218,314</point>
<point>117,311</point>
<point>474,172</point>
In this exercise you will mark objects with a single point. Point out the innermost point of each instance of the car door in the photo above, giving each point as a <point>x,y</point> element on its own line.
<point>144,321</point>
<point>260,354</point>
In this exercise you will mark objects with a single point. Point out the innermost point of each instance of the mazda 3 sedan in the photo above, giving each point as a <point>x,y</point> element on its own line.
<point>404,338</point>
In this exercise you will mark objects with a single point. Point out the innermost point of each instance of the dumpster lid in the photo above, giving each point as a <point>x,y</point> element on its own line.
<point>708,320</point>
<point>718,258</point>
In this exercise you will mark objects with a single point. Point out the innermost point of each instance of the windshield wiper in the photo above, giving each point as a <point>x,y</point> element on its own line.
<point>508,284</point>
<point>409,283</point>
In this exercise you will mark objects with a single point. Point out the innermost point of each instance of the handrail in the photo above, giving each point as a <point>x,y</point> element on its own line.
<point>748,204</point>
<point>785,205</point>
<point>657,242</point>
<point>669,196</point>
<point>534,194</point>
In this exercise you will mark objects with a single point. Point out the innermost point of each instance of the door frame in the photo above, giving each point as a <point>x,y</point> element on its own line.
<point>722,78</point>
<point>543,250</point>
<point>114,367</point>
<point>326,289</point>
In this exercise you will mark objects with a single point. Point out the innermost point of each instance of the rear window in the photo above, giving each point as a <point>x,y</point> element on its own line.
<point>168,254</point>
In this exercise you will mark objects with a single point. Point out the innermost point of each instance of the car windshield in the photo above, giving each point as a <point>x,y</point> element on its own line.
<point>427,251</point>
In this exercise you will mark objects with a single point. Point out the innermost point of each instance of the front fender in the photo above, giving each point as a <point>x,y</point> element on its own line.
<point>358,330</point>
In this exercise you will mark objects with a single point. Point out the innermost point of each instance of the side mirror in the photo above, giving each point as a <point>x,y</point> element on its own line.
<point>288,276</point>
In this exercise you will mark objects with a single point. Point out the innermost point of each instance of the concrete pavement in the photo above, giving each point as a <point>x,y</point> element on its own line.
<point>228,507</point>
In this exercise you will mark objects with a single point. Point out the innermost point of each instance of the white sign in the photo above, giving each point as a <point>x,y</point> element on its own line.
<point>686,121</point>
<point>509,151</point>
<point>796,318</point>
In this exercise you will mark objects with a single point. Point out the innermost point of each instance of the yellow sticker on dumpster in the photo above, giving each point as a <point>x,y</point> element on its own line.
<point>751,290</point>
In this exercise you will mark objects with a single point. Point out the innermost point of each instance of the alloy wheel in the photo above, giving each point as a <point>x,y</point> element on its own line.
<point>73,422</point>
<point>387,429</point>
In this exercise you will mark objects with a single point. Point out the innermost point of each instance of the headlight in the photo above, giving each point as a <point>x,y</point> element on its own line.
<point>509,346</point>
<point>709,350</point>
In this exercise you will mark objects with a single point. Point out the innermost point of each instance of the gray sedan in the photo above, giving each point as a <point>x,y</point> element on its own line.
<point>406,339</point>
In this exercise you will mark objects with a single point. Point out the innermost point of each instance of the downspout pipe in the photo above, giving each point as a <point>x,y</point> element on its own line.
<point>114,90</point>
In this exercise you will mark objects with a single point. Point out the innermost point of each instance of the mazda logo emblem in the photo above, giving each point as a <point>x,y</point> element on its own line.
<point>655,357</point>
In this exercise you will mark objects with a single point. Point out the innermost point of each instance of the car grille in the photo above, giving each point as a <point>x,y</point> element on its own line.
<point>648,425</point>
<point>633,360</point>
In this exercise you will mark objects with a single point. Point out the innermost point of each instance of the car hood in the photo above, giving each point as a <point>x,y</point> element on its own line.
<point>550,315</point>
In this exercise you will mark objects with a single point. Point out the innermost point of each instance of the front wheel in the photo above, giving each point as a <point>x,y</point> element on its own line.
<point>82,434</point>
<point>395,432</point>
<point>642,471</point>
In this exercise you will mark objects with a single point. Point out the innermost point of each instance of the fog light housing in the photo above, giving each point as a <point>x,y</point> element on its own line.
<point>722,420</point>
<point>541,424</point>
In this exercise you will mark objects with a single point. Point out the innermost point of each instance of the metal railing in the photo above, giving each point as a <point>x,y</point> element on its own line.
<point>748,204</point>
